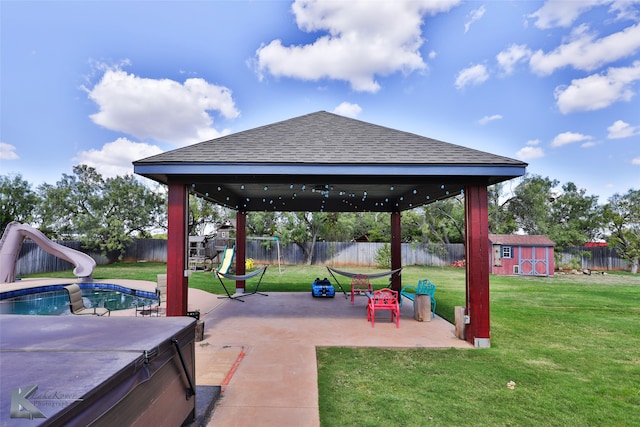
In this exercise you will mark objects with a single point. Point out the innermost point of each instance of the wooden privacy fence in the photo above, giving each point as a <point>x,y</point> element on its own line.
<point>33,259</point>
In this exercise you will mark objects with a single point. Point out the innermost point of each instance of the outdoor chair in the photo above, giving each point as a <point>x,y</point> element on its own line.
<point>383,299</point>
<point>77,305</point>
<point>425,287</point>
<point>361,284</point>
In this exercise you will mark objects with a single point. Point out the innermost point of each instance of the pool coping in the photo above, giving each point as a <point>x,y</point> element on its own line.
<point>18,285</point>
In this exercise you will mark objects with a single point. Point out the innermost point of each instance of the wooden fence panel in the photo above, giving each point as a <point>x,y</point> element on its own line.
<point>32,259</point>
<point>596,258</point>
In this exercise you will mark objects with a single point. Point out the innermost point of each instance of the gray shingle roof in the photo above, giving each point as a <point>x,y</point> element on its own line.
<point>326,162</point>
<point>326,138</point>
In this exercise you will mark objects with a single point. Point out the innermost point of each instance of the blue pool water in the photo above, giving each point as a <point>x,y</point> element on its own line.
<point>54,300</point>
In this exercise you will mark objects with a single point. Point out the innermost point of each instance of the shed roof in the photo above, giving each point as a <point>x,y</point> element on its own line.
<point>326,162</point>
<point>520,240</point>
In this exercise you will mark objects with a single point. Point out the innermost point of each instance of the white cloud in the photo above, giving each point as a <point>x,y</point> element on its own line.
<point>474,16</point>
<point>569,138</point>
<point>348,109</point>
<point>508,58</point>
<point>116,158</point>
<point>585,52</point>
<point>533,142</point>
<point>530,153</point>
<point>561,13</point>
<point>620,129</point>
<point>473,75</point>
<point>625,9</point>
<point>635,161</point>
<point>365,39</point>
<point>8,152</point>
<point>598,90</point>
<point>487,119</point>
<point>163,110</point>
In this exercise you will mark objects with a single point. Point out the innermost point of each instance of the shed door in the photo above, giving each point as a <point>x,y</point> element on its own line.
<point>534,260</point>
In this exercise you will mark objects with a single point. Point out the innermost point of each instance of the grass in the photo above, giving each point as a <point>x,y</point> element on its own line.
<point>570,343</point>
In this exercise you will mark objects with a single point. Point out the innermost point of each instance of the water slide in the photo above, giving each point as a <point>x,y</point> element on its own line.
<point>11,242</point>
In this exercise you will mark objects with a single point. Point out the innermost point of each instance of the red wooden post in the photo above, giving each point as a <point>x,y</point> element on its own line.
<point>177,283</point>
<point>396,249</point>
<point>477,265</point>
<point>241,248</point>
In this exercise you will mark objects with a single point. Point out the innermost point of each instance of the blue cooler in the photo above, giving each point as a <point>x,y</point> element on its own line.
<point>322,288</point>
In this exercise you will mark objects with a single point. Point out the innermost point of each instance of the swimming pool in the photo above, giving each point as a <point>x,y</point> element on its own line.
<point>54,300</point>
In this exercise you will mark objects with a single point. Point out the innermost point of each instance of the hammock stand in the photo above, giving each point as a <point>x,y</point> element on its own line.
<point>352,275</point>
<point>259,271</point>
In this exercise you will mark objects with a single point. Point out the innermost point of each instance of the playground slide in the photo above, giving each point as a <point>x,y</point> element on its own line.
<point>11,242</point>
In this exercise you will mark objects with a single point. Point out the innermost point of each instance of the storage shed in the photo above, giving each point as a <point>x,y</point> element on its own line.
<point>521,255</point>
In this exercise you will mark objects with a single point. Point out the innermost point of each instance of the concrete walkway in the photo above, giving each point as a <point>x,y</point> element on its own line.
<point>263,351</point>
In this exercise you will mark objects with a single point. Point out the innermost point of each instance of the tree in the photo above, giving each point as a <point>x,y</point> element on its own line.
<point>203,214</point>
<point>263,224</point>
<point>622,214</point>
<point>531,204</point>
<point>17,201</point>
<point>500,220</point>
<point>376,225</point>
<point>104,215</point>
<point>303,229</point>
<point>412,224</point>
<point>575,218</point>
<point>567,216</point>
<point>444,221</point>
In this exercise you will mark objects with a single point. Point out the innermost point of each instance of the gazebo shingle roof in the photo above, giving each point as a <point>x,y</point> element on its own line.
<point>326,162</point>
<point>327,138</point>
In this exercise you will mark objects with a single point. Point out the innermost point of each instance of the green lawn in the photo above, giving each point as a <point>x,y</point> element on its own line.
<point>570,343</point>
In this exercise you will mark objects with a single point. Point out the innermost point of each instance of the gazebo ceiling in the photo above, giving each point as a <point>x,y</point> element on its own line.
<point>326,162</point>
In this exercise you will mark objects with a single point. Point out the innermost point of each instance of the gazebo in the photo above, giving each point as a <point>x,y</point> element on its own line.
<point>323,162</point>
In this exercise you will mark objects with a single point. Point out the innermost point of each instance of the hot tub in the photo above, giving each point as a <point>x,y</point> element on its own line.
<point>79,370</point>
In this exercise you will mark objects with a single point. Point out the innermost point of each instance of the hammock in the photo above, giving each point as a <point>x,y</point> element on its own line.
<point>352,275</point>
<point>260,271</point>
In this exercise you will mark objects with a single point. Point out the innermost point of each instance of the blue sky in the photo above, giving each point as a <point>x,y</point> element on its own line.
<point>104,83</point>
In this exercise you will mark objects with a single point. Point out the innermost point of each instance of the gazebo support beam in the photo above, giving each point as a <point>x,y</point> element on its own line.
<point>241,248</point>
<point>396,249</point>
<point>477,265</point>
<point>177,281</point>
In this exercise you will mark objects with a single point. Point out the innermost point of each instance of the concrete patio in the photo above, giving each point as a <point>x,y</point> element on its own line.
<point>263,351</point>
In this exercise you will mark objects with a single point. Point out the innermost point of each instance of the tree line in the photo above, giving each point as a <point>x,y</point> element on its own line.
<point>106,214</point>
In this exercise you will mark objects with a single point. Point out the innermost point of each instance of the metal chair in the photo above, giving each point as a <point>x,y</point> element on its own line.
<point>76,304</point>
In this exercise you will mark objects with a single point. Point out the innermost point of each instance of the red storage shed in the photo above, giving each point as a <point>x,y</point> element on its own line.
<point>523,255</point>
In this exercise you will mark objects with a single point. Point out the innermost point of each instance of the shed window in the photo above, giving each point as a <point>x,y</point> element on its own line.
<point>506,252</point>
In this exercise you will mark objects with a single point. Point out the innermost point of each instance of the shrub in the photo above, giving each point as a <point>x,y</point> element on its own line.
<point>383,256</point>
